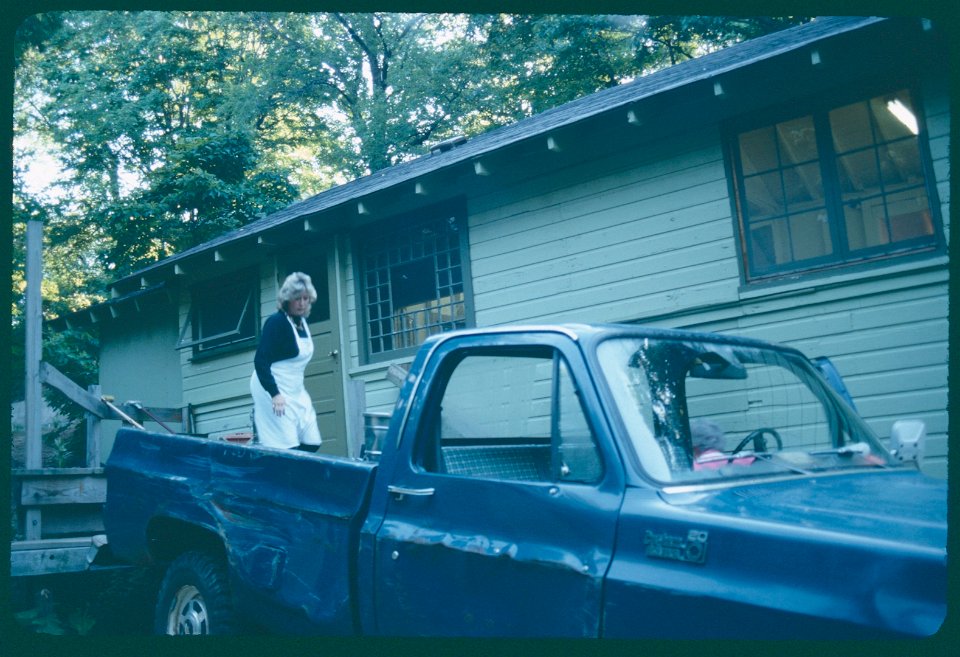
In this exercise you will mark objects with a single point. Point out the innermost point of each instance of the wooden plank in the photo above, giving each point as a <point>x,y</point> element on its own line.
<point>43,557</point>
<point>23,473</point>
<point>73,520</point>
<point>53,377</point>
<point>63,490</point>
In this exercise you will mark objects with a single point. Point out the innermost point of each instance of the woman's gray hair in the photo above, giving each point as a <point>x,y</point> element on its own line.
<point>293,286</point>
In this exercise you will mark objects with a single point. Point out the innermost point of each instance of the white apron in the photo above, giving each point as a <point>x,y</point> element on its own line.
<point>298,424</point>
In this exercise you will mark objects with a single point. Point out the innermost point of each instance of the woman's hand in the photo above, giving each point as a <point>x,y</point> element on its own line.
<point>279,403</point>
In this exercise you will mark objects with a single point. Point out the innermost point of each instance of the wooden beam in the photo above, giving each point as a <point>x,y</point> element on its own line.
<point>93,431</point>
<point>73,520</point>
<point>43,491</point>
<point>33,353</point>
<point>33,349</point>
<point>53,377</point>
<point>48,556</point>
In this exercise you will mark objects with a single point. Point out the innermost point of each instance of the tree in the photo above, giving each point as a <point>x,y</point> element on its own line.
<point>174,127</point>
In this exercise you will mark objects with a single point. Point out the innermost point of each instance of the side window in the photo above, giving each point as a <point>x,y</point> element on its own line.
<point>513,415</point>
<point>223,315</point>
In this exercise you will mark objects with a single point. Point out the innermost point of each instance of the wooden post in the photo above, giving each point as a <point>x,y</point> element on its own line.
<point>93,432</point>
<point>33,400</point>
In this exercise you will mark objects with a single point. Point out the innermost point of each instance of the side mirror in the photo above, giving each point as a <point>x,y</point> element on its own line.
<point>907,438</point>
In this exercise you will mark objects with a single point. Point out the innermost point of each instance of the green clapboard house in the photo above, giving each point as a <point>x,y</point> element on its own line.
<point>793,188</point>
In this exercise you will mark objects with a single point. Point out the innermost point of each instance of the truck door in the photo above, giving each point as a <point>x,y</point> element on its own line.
<point>501,522</point>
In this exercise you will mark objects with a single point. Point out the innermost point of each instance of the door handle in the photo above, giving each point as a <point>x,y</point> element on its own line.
<point>401,491</point>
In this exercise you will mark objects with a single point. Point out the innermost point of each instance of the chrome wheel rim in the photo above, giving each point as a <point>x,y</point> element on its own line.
<point>188,613</point>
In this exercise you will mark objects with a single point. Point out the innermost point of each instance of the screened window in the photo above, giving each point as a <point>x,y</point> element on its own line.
<point>834,187</point>
<point>223,315</point>
<point>412,281</point>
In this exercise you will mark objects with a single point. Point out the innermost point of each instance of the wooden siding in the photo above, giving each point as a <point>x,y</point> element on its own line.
<point>219,388</point>
<point>138,363</point>
<point>649,235</point>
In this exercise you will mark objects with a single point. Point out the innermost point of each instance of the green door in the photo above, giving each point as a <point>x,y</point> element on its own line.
<point>323,379</point>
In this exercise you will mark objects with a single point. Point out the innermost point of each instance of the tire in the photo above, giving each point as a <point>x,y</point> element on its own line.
<point>195,597</point>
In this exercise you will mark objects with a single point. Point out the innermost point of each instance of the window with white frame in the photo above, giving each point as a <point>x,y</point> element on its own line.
<point>833,187</point>
<point>412,280</point>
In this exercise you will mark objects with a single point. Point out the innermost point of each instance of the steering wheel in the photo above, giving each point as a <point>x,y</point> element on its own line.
<point>759,442</point>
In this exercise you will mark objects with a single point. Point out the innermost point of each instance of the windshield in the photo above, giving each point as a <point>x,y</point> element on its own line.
<point>705,411</point>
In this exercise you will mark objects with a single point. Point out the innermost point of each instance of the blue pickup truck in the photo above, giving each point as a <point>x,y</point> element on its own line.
<point>585,481</point>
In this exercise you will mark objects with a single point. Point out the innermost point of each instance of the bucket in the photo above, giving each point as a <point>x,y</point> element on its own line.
<point>374,431</point>
<point>240,438</point>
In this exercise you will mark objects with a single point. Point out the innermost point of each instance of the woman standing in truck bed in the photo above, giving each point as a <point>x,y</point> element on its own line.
<point>283,412</point>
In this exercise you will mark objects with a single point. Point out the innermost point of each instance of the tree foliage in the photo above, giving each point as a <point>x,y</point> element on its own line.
<point>174,127</point>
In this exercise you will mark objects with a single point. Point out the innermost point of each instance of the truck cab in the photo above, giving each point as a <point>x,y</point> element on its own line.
<point>561,481</point>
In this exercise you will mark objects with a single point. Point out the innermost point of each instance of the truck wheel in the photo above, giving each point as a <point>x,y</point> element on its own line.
<point>194,597</point>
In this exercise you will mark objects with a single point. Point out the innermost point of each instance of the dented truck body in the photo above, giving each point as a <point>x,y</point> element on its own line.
<point>553,481</point>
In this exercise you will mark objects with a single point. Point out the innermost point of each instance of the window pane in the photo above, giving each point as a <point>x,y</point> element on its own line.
<point>810,235</point>
<point>798,141</point>
<point>851,128</point>
<point>758,151</point>
<point>865,225</point>
<point>909,215</point>
<point>224,312</point>
<point>803,187</point>
<point>859,175</point>
<point>512,416</point>
<point>900,164</point>
<point>764,196</point>
<point>895,116</point>
<point>770,244</point>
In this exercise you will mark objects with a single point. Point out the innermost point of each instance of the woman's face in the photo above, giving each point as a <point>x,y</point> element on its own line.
<point>299,306</point>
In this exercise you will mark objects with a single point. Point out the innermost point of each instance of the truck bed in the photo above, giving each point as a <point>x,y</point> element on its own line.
<point>287,520</point>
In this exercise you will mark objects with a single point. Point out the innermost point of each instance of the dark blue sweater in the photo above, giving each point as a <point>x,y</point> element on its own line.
<point>277,342</point>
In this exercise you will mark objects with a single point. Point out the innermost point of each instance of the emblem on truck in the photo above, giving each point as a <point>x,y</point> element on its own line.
<point>691,548</point>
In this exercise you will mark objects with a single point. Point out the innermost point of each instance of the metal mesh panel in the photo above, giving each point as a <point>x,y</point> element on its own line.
<point>517,462</point>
